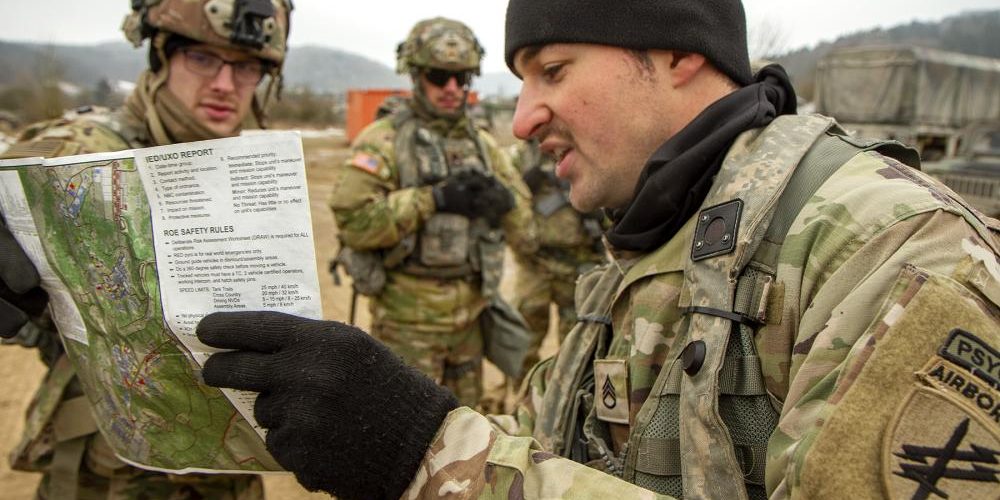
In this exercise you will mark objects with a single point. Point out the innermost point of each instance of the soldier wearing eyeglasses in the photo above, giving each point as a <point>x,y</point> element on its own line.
<point>207,59</point>
<point>424,207</point>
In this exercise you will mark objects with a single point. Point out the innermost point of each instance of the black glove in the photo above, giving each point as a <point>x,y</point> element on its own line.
<point>20,296</point>
<point>457,194</point>
<point>342,411</point>
<point>535,178</point>
<point>493,202</point>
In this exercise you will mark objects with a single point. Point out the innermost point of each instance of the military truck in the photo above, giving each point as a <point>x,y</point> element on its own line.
<point>974,173</point>
<point>924,97</point>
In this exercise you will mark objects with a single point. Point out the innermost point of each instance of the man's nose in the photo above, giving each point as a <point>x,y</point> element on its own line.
<point>530,114</point>
<point>223,81</point>
<point>452,85</point>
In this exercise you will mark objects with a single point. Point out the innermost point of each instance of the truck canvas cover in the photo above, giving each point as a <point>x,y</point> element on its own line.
<point>908,86</point>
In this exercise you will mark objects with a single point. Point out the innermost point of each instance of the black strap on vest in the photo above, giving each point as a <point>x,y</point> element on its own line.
<point>719,313</point>
<point>829,154</point>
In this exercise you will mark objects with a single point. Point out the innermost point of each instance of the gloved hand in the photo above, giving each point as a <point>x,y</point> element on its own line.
<point>493,202</point>
<point>342,411</point>
<point>457,194</point>
<point>535,178</point>
<point>20,295</point>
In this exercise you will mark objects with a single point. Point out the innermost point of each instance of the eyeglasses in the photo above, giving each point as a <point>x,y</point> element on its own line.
<point>440,77</point>
<point>245,73</point>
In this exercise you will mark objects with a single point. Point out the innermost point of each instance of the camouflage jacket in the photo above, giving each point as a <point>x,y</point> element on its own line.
<point>374,211</point>
<point>879,350</point>
<point>82,131</point>
<point>568,240</point>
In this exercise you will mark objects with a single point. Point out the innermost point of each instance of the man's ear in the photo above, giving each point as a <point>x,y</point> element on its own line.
<point>683,66</point>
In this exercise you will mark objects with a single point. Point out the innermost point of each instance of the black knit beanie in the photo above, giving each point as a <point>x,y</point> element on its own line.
<point>715,29</point>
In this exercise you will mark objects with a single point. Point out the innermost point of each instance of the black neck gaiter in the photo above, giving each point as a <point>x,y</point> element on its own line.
<point>678,176</point>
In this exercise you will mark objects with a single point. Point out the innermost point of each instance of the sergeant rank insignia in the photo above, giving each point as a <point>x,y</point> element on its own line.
<point>611,390</point>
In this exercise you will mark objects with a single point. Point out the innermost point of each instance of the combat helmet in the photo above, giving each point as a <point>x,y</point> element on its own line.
<point>439,43</point>
<point>259,27</point>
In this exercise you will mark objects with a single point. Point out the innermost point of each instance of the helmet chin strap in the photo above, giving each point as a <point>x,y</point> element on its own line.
<point>153,121</point>
<point>260,105</point>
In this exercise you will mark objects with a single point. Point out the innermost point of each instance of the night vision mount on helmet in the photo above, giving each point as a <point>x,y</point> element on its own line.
<point>259,27</point>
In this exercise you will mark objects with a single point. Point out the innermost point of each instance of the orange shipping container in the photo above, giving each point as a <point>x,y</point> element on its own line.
<point>363,103</point>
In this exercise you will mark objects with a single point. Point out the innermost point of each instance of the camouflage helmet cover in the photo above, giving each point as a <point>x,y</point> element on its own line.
<point>439,43</point>
<point>259,27</point>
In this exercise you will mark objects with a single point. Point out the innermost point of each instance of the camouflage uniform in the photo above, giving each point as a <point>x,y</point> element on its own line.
<point>61,438</point>
<point>433,323</point>
<point>875,348</point>
<point>428,312</point>
<point>569,244</point>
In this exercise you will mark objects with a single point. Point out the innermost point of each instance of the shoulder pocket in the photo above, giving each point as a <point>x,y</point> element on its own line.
<point>883,409</point>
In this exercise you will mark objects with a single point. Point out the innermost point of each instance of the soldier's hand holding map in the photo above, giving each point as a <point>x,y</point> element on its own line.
<point>343,412</point>
<point>20,296</point>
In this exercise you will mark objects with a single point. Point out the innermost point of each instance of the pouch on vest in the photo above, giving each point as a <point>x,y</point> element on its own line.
<point>489,262</point>
<point>365,269</point>
<point>548,204</point>
<point>445,241</point>
<point>506,337</point>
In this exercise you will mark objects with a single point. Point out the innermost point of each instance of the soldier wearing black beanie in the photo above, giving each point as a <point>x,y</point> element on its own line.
<point>734,345</point>
<point>715,29</point>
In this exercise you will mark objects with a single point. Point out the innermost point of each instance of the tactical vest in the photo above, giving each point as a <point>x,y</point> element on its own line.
<point>447,246</point>
<point>727,282</point>
<point>549,200</point>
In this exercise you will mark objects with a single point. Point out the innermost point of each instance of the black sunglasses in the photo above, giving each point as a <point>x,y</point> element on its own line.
<point>440,77</point>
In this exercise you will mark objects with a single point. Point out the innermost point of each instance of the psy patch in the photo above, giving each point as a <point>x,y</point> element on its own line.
<point>937,449</point>
<point>611,390</point>
<point>970,352</point>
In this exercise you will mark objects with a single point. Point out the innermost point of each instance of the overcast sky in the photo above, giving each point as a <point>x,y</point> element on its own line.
<point>372,28</point>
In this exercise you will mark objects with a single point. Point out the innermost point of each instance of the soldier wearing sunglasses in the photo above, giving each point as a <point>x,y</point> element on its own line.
<point>427,201</point>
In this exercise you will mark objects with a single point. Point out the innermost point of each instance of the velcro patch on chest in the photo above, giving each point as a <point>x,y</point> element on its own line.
<point>45,148</point>
<point>611,390</point>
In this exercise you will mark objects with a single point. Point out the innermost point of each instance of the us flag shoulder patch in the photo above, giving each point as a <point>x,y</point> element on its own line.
<point>366,162</point>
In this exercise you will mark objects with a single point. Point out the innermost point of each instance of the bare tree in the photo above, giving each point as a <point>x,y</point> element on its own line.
<point>49,72</point>
<point>767,39</point>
